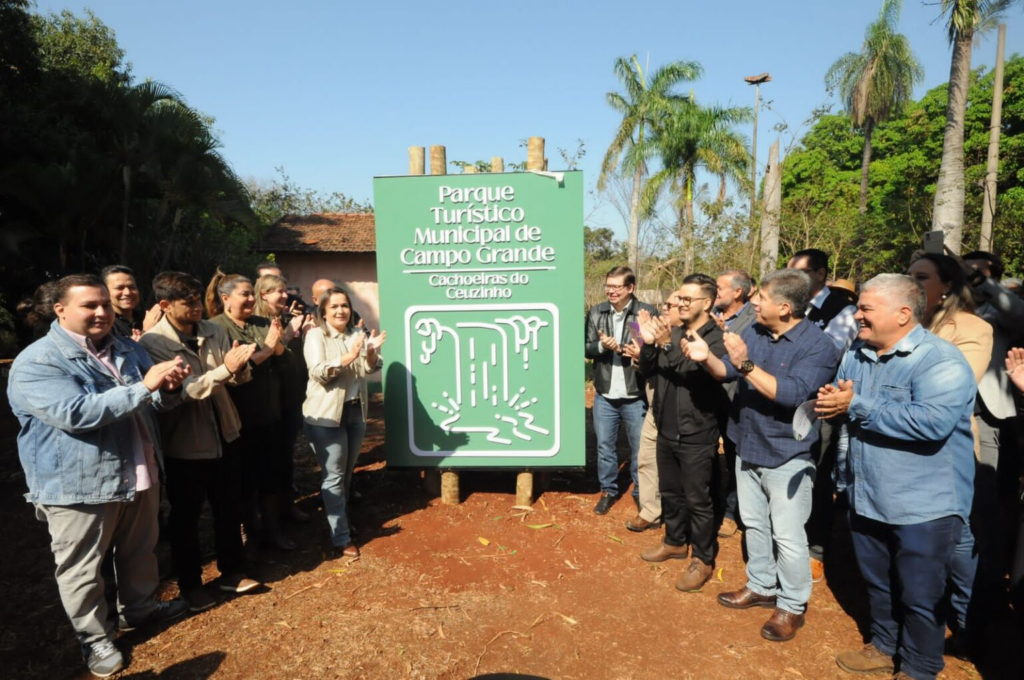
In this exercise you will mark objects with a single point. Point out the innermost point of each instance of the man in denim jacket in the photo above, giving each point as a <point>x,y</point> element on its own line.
<point>90,450</point>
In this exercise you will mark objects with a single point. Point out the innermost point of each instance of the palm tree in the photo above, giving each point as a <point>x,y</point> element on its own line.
<point>647,99</point>
<point>695,138</point>
<point>877,81</point>
<point>965,20</point>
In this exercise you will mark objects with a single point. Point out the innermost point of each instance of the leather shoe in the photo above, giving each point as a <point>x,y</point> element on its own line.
<point>867,659</point>
<point>695,576</point>
<point>662,552</point>
<point>604,504</point>
<point>745,598</point>
<point>639,524</point>
<point>728,528</point>
<point>782,626</point>
<point>817,571</point>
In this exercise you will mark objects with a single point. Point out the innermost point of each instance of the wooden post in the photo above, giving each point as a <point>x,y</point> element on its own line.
<point>988,206</point>
<point>524,488</point>
<point>417,159</point>
<point>438,161</point>
<point>497,164</point>
<point>470,170</point>
<point>450,487</point>
<point>535,153</point>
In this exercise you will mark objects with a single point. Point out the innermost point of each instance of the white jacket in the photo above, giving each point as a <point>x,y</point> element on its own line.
<point>325,392</point>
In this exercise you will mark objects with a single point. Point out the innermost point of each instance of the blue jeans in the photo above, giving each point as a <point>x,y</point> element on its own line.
<point>963,571</point>
<point>905,568</point>
<point>336,449</point>
<point>608,413</point>
<point>774,505</point>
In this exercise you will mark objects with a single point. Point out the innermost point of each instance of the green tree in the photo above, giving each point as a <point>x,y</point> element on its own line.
<point>80,46</point>
<point>272,200</point>
<point>877,81</point>
<point>964,20</point>
<point>648,98</point>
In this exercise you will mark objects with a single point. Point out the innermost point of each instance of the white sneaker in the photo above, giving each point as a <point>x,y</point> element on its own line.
<point>104,659</point>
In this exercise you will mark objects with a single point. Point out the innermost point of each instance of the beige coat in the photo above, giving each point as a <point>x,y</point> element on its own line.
<point>190,431</point>
<point>325,392</point>
<point>972,335</point>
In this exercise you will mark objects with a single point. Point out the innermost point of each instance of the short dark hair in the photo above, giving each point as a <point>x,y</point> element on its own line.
<point>997,267</point>
<point>267,264</point>
<point>789,285</point>
<point>817,259</point>
<point>738,278</point>
<point>60,291</point>
<point>321,308</point>
<point>116,269</point>
<point>622,271</point>
<point>707,284</point>
<point>173,286</point>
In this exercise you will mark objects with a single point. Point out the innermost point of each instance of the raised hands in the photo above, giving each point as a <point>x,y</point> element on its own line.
<point>238,356</point>
<point>1015,367</point>
<point>834,401</point>
<point>632,350</point>
<point>355,347</point>
<point>609,342</point>
<point>167,375</point>
<point>274,335</point>
<point>695,349</point>
<point>373,344</point>
<point>152,317</point>
<point>736,348</point>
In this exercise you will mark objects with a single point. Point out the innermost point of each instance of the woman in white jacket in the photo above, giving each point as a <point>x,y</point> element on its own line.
<point>339,357</point>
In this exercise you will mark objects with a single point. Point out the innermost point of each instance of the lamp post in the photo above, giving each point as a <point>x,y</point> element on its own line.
<point>756,82</point>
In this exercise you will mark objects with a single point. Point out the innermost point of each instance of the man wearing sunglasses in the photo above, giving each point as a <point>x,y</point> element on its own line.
<point>619,388</point>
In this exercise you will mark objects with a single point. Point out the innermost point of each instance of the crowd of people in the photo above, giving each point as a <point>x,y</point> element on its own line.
<point>116,405</point>
<point>768,410</point>
<point>778,408</point>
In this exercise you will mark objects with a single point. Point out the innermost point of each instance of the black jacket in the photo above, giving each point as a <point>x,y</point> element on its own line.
<point>599,318</point>
<point>701,401</point>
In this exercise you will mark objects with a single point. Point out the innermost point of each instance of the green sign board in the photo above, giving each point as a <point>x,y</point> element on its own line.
<point>481,295</point>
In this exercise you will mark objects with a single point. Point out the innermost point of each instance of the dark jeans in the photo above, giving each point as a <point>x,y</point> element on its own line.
<point>724,483</point>
<point>684,479</point>
<point>819,526</point>
<point>189,484</point>
<point>265,459</point>
<point>905,568</point>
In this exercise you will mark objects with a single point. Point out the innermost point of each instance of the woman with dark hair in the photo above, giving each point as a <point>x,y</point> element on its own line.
<point>949,314</point>
<point>229,302</point>
<point>124,296</point>
<point>339,356</point>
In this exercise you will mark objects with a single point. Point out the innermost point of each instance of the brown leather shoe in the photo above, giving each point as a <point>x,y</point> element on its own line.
<point>728,528</point>
<point>695,576</point>
<point>639,524</point>
<point>662,552</point>
<point>782,626</point>
<point>817,571</point>
<point>745,598</point>
<point>865,660</point>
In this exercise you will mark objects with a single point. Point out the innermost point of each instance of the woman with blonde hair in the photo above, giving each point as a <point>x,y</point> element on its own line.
<point>339,356</point>
<point>230,302</point>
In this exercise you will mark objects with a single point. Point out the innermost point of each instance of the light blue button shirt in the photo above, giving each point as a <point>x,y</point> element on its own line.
<point>911,447</point>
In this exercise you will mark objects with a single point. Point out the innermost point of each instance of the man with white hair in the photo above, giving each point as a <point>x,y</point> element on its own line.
<point>907,397</point>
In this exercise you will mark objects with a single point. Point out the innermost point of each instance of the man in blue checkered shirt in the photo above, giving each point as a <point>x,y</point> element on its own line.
<point>780,362</point>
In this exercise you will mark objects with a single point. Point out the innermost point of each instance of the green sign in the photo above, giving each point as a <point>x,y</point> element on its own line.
<point>481,294</point>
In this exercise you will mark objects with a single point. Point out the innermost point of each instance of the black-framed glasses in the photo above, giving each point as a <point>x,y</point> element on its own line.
<point>616,288</point>
<point>683,302</point>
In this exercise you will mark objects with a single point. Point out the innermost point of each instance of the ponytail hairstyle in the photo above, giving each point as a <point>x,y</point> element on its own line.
<point>266,283</point>
<point>221,284</point>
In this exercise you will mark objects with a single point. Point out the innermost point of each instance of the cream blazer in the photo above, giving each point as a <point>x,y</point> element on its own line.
<point>972,335</point>
<point>325,391</point>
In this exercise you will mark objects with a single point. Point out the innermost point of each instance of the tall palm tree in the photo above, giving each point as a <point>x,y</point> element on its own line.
<point>877,81</point>
<point>692,138</point>
<point>965,20</point>
<point>647,98</point>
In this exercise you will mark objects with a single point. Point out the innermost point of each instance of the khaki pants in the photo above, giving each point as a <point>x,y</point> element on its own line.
<point>80,536</point>
<point>647,470</point>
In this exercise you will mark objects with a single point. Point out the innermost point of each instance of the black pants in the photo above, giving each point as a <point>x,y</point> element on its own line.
<point>189,484</point>
<point>724,483</point>
<point>819,525</point>
<point>684,479</point>
<point>267,459</point>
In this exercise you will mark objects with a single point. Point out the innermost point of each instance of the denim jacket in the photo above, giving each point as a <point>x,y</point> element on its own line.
<point>75,442</point>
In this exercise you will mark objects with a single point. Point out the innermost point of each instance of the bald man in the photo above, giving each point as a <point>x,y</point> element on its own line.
<point>320,287</point>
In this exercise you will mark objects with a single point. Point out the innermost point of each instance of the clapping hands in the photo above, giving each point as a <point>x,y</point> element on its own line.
<point>1015,367</point>
<point>167,375</point>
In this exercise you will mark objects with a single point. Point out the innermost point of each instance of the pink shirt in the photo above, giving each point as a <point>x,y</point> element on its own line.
<point>142,446</point>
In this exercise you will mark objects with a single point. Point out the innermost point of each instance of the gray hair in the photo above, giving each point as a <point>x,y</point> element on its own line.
<point>792,286</point>
<point>740,279</point>
<point>900,290</point>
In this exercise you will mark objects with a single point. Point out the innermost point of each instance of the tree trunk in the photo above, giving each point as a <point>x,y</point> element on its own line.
<point>948,212</point>
<point>770,214</point>
<point>865,166</point>
<point>633,246</point>
<point>174,239</point>
<point>688,249</point>
<point>126,173</point>
<point>988,209</point>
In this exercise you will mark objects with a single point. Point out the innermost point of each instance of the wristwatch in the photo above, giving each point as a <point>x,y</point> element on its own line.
<point>746,367</point>
<point>667,346</point>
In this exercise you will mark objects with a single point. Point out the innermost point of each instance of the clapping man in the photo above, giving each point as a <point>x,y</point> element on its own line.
<point>91,453</point>
<point>907,397</point>
<point>780,361</point>
<point>688,406</point>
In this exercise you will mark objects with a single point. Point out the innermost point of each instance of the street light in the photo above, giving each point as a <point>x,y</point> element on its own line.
<point>756,82</point>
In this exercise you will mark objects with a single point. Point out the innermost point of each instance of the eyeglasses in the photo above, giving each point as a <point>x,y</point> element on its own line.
<point>616,288</point>
<point>683,302</point>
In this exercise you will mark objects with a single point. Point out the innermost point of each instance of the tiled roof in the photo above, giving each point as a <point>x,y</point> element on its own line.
<point>321,233</point>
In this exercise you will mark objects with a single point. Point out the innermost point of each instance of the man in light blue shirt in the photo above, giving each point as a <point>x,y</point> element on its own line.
<point>907,397</point>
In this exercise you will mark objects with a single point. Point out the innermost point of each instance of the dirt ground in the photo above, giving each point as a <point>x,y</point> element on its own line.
<point>453,592</point>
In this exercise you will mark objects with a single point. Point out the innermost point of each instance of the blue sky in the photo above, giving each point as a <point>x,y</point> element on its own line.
<point>337,91</point>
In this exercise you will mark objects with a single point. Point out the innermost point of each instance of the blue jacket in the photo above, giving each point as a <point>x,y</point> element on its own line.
<point>911,447</point>
<point>75,442</point>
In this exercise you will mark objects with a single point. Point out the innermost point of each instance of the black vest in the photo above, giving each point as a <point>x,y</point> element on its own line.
<point>822,316</point>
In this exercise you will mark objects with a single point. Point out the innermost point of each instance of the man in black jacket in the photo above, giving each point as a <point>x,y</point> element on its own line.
<point>619,389</point>
<point>688,406</point>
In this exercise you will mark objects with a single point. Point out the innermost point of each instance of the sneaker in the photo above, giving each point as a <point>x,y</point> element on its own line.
<point>104,659</point>
<point>165,611</point>
<point>237,584</point>
<point>199,599</point>
<point>604,504</point>
<point>817,571</point>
